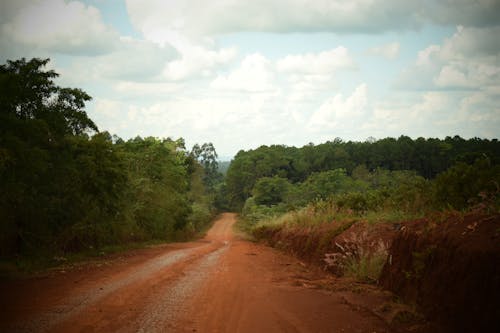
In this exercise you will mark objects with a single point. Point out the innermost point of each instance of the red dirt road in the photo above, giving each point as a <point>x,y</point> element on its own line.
<point>219,284</point>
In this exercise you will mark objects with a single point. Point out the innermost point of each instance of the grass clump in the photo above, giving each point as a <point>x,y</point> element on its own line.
<point>358,257</point>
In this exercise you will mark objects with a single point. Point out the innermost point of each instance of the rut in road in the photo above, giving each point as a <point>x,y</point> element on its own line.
<point>192,264</point>
<point>174,300</point>
<point>73,305</point>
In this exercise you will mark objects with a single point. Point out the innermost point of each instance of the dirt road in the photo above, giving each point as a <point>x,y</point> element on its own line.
<point>219,284</point>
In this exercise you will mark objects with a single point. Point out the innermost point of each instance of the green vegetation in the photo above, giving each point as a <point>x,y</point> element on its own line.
<point>370,162</point>
<point>366,268</point>
<point>302,199</point>
<point>65,187</point>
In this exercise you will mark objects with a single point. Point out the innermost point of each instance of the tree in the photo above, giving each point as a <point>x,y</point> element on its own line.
<point>64,186</point>
<point>29,93</point>
<point>37,121</point>
<point>461,185</point>
<point>270,190</point>
<point>207,156</point>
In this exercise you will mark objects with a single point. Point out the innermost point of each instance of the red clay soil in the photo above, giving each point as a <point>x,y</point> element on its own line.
<point>219,284</point>
<point>450,269</point>
<point>315,243</point>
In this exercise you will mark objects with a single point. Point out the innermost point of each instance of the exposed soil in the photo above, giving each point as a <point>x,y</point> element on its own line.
<point>318,243</point>
<point>450,270</point>
<point>219,284</point>
<point>445,268</point>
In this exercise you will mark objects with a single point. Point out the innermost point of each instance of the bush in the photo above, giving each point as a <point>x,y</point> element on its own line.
<point>199,217</point>
<point>358,258</point>
<point>270,190</point>
<point>462,185</point>
<point>252,212</point>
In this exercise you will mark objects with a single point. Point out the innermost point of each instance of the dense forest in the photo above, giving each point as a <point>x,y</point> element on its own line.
<point>366,175</point>
<point>65,186</point>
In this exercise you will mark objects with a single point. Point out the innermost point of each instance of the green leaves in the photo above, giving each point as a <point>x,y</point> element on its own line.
<point>64,189</point>
<point>207,158</point>
<point>157,195</point>
<point>29,93</point>
<point>270,190</point>
<point>369,163</point>
<point>463,184</point>
<point>25,87</point>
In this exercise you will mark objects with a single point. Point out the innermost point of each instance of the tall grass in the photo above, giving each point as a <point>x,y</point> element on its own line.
<point>311,232</point>
<point>358,258</point>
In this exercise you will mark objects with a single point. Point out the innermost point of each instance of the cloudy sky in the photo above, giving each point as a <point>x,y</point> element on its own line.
<point>245,73</point>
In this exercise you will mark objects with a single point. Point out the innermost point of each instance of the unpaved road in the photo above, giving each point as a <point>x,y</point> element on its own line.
<point>219,284</point>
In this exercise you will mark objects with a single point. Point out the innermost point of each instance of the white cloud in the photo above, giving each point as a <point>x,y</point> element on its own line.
<point>428,55</point>
<point>405,114</point>
<point>306,88</point>
<point>222,16</point>
<point>255,74</point>
<point>483,108</point>
<point>58,26</point>
<point>132,62</point>
<point>238,122</point>
<point>322,63</point>
<point>198,57</point>
<point>469,59</point>
<point>338,110</point>
<point>197,61</point>
<point>134,59</point>
<point>470,41</point>
<point>414,114</point>
<point>389,51</point>
<point>452,76</point>
<point>142,89</point>
<point>479,13</point>
<point>190,17</point>
<point>436,114</point>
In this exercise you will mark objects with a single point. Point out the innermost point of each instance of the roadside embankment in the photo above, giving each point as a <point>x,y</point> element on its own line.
<point>446,266</point>
<point>450,270</point>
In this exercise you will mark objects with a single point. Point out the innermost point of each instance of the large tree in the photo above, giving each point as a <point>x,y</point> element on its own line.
<point>28,92</point>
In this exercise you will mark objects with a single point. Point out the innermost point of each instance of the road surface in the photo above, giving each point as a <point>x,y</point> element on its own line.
<point>219,284</point>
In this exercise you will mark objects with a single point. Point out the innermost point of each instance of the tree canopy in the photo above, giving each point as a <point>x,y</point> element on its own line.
<point>65,186</point>
<point>318,167</point>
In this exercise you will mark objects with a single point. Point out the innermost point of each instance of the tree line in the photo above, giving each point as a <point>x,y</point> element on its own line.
<point>65,186</point>
<point>337,166</point>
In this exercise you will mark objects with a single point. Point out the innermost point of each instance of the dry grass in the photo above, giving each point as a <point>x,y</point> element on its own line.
<point>358,258</point>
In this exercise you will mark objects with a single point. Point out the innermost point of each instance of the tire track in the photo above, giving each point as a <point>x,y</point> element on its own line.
<point>174,300</point>
<point>73,305</point>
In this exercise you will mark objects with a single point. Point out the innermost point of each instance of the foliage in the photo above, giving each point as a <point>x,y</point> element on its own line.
<point>425,157</point>
<point>66,187</point>
<point>325,184</point>
<point>366,268</point>
<point>159,185</point>
<point>253,212</point>
<point>270,190</point>
<point>463,184</point>
<point>248,167</point>
<point>207,158</point>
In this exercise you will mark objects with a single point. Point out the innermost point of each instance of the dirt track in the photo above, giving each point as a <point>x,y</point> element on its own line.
<point>219,284</point>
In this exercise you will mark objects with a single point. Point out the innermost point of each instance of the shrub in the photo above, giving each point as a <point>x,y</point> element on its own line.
<point>462,185</point>
<point>357,258</point>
